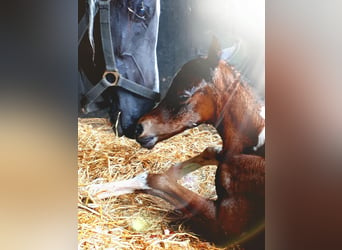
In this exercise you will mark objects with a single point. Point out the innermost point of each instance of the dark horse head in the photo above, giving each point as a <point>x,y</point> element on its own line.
<point>134,31</point>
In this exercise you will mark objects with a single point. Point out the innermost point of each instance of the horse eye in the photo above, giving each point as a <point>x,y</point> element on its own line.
<point>141,11</point>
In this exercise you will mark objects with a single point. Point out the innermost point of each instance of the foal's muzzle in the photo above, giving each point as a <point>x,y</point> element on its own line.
<point>147,142</point>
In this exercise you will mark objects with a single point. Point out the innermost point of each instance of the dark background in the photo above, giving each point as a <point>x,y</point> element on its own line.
<point>38,126</point>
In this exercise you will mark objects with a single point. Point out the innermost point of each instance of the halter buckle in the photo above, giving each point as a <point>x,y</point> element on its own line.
<point>111,78</point>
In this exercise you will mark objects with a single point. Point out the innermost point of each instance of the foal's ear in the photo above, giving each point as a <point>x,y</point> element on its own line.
<point>228,53</point>
<point>214,52</point>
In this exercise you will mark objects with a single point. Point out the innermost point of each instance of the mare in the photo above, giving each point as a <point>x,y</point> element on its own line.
<point>208,90</point>
<point>117,59</point>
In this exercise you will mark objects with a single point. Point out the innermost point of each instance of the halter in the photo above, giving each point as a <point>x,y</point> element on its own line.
<point>111,77</point>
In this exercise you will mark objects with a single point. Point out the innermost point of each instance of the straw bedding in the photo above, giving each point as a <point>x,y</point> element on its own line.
<point>136,221</point>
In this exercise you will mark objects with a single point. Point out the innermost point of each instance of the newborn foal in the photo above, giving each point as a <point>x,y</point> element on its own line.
<point>208,90</point>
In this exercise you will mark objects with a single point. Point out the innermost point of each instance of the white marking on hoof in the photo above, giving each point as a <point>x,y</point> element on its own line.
<point>116,188</point>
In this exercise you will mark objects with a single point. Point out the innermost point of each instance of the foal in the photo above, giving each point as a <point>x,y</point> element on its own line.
<point>208,90</point>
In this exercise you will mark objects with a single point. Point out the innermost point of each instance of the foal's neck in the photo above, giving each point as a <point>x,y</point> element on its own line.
<point>237,121</point>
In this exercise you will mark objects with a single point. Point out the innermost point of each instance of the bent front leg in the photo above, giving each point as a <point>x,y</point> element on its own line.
<point>208,157</point>
<point>160,185</point>
<point>180,197</point>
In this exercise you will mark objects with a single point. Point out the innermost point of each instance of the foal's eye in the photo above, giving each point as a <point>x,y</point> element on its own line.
<point>183,98</point>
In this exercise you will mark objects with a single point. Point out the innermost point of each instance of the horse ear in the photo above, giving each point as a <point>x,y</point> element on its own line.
<point>214,52</point>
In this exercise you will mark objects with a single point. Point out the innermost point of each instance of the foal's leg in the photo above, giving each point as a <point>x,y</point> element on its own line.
<point>116,188</point>
<point>106,190</point>
<point>208,157</point>
<point>163,186</point>
<point>181,198</point>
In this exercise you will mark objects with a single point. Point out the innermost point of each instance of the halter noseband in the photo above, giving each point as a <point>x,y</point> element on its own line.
<point>111,76</point>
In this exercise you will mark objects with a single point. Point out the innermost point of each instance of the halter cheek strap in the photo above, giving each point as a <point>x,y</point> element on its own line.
<point>111,77</point>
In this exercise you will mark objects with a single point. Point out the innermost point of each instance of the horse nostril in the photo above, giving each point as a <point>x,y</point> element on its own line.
<point>139,129</point>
